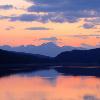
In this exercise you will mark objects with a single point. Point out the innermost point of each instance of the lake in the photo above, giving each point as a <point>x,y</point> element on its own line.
<point>49,85</point>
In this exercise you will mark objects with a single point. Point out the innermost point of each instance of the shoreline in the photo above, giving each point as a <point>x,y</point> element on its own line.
<point>65,70</point>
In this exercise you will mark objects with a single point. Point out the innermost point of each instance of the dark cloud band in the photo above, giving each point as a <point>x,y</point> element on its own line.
<point>37,28</point>
<point>6,7</point>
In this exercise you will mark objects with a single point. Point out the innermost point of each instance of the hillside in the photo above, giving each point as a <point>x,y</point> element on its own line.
<point>74,57</point>
<point>80,56</point>
<point>9,57</point>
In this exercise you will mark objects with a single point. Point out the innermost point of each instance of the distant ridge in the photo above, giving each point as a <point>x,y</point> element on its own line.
<point>48,49</point>
<point>76,62</point>
<point>9,57</point>
<point>74,57</point>
<point>80,56</point>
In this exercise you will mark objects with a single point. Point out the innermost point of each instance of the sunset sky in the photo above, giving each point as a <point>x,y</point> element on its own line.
<point>64,22</point>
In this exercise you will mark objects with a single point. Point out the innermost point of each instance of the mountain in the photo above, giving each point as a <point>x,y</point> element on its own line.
<point>79,57</point>
<point>48,49</point>
<point>74,57</point>
<point>17,62</point>
<point>9,57</point>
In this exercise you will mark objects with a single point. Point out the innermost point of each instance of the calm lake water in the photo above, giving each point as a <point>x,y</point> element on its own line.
<point>49,85</point>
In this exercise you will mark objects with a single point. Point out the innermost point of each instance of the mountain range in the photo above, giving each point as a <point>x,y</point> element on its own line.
<point>48,49</point>
<point>74,57</point>
<point>75,62</point>
<point>11,57</point>
<point>88,57</point>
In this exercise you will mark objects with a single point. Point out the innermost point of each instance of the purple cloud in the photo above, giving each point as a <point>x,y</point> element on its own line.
<point>6,7</point>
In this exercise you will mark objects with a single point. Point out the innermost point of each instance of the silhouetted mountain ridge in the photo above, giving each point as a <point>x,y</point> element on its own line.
<point>67,58</point>
<point>72,62</point>
<point>79,56</point>
<point>9,57</point>
<point>48,49</point>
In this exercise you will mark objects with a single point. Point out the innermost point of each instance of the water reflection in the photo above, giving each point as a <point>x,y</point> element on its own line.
<point>33,86</point>
<point>50,73</point>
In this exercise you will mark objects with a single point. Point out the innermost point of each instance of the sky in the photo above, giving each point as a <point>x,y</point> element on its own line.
<point>64,22</point>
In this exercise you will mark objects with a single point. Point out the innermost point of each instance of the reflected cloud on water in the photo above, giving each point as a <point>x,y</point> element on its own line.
<point>49,85</point>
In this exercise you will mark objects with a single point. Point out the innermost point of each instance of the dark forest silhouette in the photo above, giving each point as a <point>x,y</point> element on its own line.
<point>15,62</point>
